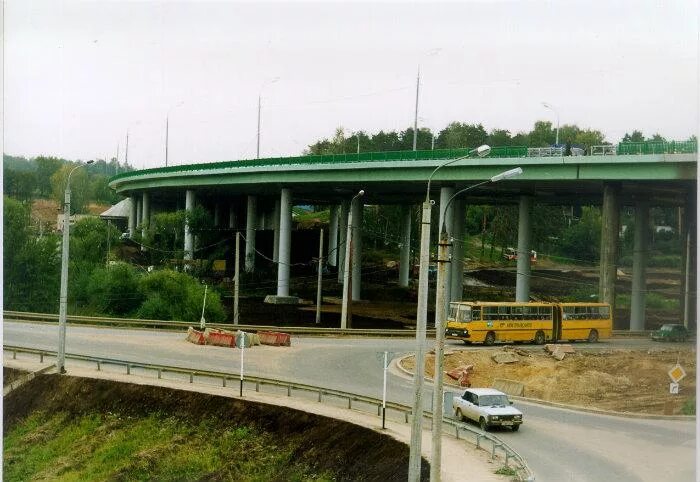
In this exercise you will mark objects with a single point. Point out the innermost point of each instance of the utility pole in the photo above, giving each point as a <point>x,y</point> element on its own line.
<point>236,278</point>
<point>126,155</point>
<point>257,155</point>
<point>166,141</point>
<point>320,278</point>
<point>415,118</point>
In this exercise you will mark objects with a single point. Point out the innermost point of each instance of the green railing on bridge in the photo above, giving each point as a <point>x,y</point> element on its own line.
<point>506,151</point>
<point>672,147</point>
<point>653,147</point>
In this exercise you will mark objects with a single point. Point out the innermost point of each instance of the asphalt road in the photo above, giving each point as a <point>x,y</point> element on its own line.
<point>558,444</point>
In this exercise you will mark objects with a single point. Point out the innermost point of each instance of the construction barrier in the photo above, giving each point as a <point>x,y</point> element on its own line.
<point>275,338</point>
<point>196,337</point>
<point>220,338</point>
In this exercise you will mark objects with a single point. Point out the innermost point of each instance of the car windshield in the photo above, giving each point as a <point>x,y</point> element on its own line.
<point>486,400</point>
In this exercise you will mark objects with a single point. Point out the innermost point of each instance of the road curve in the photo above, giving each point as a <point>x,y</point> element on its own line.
<point>558,444</point>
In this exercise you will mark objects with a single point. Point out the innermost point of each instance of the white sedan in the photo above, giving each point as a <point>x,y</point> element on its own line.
<point>487,407</point>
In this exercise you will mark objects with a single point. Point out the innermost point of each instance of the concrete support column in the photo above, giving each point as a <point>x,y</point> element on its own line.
<point>145,213</point>
<point>447,220</point>
<point>276,234</point>
<point>217,214</point>
<point>522,278</point>
<point>342,236</point>
<point>610,221</point>
<point>250,224</point>
<point>356,259</point>
<point>132,216</point>
<point>405,259</point>
<point>639,262</point>
<point>139,211</point>
<point>457,275</point>
<point>231,216</point>
<point>333,236</point>
<point>285,242</point>
<point>189,238</point>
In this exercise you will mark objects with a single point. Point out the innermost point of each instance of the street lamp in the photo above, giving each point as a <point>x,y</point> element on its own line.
<point>440,317</point>
<point>347,289</point>
<point>63,297</point>
<point>422,319</point>
<point>270,81</point>
<point>550,107</point>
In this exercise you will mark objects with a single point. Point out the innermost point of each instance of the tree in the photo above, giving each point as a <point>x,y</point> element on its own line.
<point>657,138</point>
<point>636,136</point>
<point>581,241</point>
<point>499,137</point>
<point>114,290</point>
<point>588,137</point>
<point>458,135</point>
<point>19,184</point>
<point>542,135</point>
<point>46,167</point>
<point>79,184</point>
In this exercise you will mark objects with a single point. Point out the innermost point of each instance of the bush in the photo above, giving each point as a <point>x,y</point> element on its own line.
<point>177,296</point>
<point>688,407</point>
<point>114,290</point>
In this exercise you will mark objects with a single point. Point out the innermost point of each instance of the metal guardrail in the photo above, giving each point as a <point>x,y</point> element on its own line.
<point>545,151</point>
<point>524,473</point>
<point>604,150</point>
<point>297,330</point>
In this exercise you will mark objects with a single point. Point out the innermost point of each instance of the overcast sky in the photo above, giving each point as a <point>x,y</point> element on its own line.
<point>78,75</point>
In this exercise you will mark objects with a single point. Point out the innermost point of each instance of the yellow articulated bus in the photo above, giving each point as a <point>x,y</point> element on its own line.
<point>489,322</point>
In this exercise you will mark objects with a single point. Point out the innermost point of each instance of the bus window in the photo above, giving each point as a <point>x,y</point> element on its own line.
<point>517,312</point>
<point>464,314</point>
<point>604,312</point>
<point>476,313</point>
<point>490,313</point>
<point>545,312</point>
<point>568,312</point>
<point>453,311</point>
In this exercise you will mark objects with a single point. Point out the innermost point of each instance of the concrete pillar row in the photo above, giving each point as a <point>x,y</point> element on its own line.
<point>639,262</point>
<point>342,235</point>
<point>276,233</point>
<point>522,277</point>
<point>250,224</point>
<point>285,242</point>
<point>132,216</point>
<point>610,229</point>
<point>446,219</point>
<point>356,253</point>
<point>405,259</point>
<point>146,213</point>
<point>333,236</point>
<point>189,238</point>
<point>457,275</point>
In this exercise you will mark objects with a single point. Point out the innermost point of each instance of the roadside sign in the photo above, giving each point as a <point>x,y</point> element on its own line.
<point>676,373</point>
<point>385,357</point>
<point>673,388</point>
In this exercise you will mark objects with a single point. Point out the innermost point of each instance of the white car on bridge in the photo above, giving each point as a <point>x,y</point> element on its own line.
<point>488,407</point>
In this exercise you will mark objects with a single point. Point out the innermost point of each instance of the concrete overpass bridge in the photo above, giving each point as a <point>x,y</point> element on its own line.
<point>258,194</point>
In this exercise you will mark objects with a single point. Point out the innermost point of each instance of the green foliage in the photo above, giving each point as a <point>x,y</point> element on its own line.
<point>46,167</point>
<point>19,184</point>
<point>114,290</point>
<point>165,236</point>
<point>636,136</point>
<point>177,296</point>
<point>688,407</point>
<point>30,264</point>
<point>505,470</point>
<point>581,240</point>
<point>79,185</point>
<point>458,135</point>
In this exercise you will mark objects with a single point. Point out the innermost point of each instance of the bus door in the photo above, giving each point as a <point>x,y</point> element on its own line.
<point>556,323</point>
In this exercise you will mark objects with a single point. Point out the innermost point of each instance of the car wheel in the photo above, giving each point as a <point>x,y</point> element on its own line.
<point>459,416</point>
<point>482,423</point>
<point>539,338</point>
<point>516,428</point>
<point>593,336</point>
<point>490,338</point>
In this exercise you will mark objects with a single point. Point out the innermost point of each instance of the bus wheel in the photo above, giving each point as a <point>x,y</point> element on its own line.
<point>467,342</point>
<point>539,338</point>
<point>593,336</point>
<point>490,338</point>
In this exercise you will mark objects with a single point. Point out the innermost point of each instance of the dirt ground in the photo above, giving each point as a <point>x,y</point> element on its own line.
<point>634,381</point>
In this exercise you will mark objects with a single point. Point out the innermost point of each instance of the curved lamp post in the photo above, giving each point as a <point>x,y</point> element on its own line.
<point>440,317</point>
<point>414,462</point>
<point>551,107</point>
<point>63,297</point>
